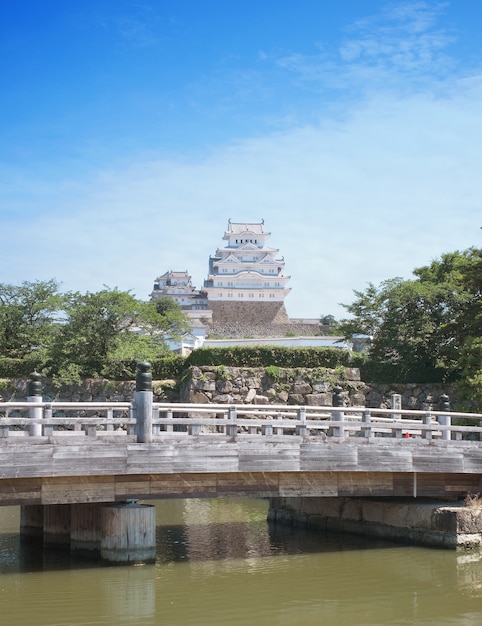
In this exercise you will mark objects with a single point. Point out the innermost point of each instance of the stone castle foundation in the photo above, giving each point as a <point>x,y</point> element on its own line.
<point>248,313</point>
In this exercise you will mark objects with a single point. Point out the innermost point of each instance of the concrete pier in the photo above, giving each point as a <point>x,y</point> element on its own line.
<point>448,525</point>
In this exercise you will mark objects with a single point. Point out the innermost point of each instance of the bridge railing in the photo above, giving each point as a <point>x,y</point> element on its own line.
<point>45,420</point>
<point>315,421</point>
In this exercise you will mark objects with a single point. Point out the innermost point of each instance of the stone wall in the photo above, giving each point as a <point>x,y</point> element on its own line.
<point>90,390</point>
<point>242,329</point>
<point>235,314</point>
<point>310,387</point>
<point>237,385</point>
<point>418,396</point>
<point>413,521</point>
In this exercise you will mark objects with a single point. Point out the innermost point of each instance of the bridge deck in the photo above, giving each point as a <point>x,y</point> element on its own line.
<point>64,471</point>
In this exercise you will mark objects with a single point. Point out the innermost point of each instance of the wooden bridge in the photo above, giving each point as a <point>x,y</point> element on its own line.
<point>78,469</point>
<point>60,453</point>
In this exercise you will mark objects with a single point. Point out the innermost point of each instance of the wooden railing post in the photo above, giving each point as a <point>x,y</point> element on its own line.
<point>48,429</point>
<point>427,420</point>
<point>338,416</point>
<point>366,429</point>
<point>396,403</point>
<point>169,415</point>
<point>444,420</point>
<point>301,429</point>
<point>143,403</point>
<point>34,390</point>
<point>232,428</point>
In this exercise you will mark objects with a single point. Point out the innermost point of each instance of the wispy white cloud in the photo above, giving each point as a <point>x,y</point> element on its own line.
<point>385,184</point>
<point>402,43</point>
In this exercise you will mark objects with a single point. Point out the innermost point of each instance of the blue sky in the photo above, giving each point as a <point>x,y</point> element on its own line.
<point>132,130</point>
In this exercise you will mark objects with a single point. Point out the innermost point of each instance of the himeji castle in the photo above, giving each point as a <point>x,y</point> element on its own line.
<point>246,280</point>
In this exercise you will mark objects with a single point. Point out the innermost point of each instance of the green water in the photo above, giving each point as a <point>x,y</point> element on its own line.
<point>218,562</point>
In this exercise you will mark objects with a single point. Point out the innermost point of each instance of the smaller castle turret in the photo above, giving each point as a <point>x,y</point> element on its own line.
<point>178,286</point>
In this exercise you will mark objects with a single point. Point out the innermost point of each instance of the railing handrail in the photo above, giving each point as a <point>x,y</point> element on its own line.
<point>235,418</point>
<point>240,408</point>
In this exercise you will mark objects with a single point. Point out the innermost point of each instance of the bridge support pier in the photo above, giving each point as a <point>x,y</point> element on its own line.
<point>32,522</point>
<point>449,525</point>
<point>128,533</point>
<point>85,529</point>
<point>57,526</point>
<point>123,532</point>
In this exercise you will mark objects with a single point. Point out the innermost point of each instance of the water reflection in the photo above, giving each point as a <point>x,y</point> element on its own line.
<point>219,562</point>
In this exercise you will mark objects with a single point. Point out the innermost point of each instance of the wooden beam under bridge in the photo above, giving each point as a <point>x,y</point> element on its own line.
<point>84,489</point>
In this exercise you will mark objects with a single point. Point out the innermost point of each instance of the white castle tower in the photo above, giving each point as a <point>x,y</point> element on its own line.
<point>246,281</point>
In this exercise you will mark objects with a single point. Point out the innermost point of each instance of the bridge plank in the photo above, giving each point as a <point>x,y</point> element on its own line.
<point>437,459</point>
<point>327,456</point>
<point>21,491</point>
<point>385,457</point>
<point>78,489</point>
<point>371,484</point>
<point>261,485</point>
<point>36,460</point>
<point>183,485</point>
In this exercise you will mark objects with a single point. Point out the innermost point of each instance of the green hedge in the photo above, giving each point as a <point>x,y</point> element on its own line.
<point>253,356</point>
<point>125,369</point>
<point>372,371</point>
<point>11,368</point>
<point>262,356</point>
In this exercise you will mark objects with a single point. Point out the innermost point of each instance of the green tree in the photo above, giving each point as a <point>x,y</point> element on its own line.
<point>174,320</point>
<point>28,316</point>
<point>433,320</point>
<point>106,325</point>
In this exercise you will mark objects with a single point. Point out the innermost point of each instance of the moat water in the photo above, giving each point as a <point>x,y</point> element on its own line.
<point>219,562</point>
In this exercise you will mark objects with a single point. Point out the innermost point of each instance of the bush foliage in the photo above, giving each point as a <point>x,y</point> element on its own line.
<point>263,356</point>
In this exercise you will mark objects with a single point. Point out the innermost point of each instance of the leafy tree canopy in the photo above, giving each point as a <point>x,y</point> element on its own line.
<point>79,333</point>
<point>28,313</point>
<point>433,320</point>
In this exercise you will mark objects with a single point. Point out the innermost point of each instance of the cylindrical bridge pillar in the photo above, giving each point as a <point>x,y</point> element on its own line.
<point>57,525</point>
<point>85,530</point>
<point>128,533</point>
<point>31,522</point>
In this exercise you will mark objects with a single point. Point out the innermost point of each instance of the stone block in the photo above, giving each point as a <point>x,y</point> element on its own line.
<point>295,398</point>
<point>318,399</point>
<point>250,396</point>
<point>261,400</point>
<point>302,388</point>
<point>352,373</point>
<point>197,397</point>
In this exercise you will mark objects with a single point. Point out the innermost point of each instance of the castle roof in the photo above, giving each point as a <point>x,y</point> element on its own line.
<point>238,228</point>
